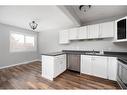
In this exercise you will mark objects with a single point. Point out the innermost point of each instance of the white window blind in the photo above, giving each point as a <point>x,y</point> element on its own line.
<point>22,42</point>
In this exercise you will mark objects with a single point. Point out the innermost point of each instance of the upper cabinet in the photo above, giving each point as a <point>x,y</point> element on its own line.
<point>82,33</point>
<point>121,30</point>
<point>78,33</point>
<point>64,37</point>
<point>93,31</point>
<point>73,34</point>
<point>107,30</point>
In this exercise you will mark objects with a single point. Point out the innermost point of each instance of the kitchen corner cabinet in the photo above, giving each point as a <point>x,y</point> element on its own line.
<point>107,29</point>
<point>93,31</point>
<point>100,66</point>
<point>52,66</point>
<point>64,37</point>
<point>121,30</point>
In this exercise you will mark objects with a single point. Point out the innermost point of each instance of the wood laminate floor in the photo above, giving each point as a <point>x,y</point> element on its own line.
<point>28,76</point>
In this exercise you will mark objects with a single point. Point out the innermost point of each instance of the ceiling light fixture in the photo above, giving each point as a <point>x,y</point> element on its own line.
<point>33,25</point>
<point>84,8</point>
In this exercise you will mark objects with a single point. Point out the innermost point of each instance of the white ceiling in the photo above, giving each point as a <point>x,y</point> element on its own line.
<point>47,17</point>
<point>56,17</point>
<point>100,12</point>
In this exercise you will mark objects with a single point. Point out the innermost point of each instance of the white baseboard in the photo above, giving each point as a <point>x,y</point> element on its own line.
<point>27,62</point>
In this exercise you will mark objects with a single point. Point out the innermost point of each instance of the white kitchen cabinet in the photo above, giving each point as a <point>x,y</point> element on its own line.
<point>73,34</point>
<point>86,64</point>
<point>52,66</point>
<point>112,68</point>
<point>106,29</point>
<point>94,65</point>
<point>78,33</point>
<point>121,30</point>
<point>99,66</point>
<point>59,65</point>
<point>82,32</point>
<point>64,37</point>
<point>47,67</point>
<point>93,31</point>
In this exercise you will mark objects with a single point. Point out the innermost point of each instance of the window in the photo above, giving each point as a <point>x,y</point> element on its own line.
<point>22,42</point>
<point>29,42</point>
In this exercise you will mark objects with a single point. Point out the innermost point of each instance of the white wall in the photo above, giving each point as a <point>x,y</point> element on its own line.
<point>7,58</point>
<point>48,42</point>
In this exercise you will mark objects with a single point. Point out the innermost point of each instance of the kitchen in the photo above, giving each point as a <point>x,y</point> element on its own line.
<point>71,47</point>
<point>105,64</point>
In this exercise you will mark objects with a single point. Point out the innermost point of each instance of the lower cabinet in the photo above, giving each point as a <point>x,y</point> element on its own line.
<point>100,66</point>
<point>52,66</point>
<point>112,68</point>
<point>86,64</point>
<point>59,65</point>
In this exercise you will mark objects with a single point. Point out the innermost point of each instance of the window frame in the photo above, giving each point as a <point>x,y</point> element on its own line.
<point>24,49</point>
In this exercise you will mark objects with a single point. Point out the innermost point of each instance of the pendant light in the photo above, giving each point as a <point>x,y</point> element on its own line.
<point>84,8</point>
<point>33,25</point>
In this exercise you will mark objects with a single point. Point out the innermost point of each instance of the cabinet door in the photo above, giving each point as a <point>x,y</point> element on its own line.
<point>64,37</point>
<point>73,34</point>
<point>56,66</point>
<point>93,31</point>
<point>82,32</point>
<point>112,68</point>
<point>121,28</point>
<point>86,64</point>
<point>62,63</point>
<point>59,65</point>
<point>107,29</point>
<point>99,67</point>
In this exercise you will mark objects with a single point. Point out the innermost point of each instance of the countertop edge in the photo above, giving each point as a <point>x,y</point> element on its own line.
<point>119,55</point>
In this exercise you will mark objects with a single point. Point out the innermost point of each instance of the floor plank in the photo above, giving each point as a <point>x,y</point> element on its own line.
<point>28,76</point>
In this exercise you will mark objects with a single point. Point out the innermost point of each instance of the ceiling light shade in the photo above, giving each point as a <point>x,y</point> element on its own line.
<point>84,8</point>
<point>33,25</point>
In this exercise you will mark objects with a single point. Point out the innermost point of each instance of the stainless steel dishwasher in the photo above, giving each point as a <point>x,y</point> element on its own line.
<point>73,62</point>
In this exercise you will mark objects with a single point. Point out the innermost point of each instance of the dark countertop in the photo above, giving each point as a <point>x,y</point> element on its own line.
<point>122,56</point>
<point>53,53</point>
